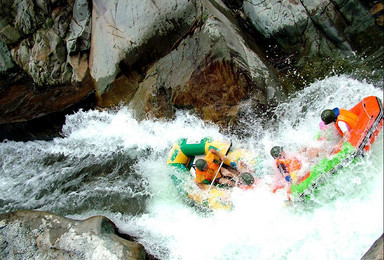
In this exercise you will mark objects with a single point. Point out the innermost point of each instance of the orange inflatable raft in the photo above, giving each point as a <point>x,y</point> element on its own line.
<point>369,123</point>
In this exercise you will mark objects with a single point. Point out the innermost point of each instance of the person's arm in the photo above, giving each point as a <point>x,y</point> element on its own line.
<point>215,152</point>
<point>200,185</point>
<point>346,134</point>
<point>343,127</point>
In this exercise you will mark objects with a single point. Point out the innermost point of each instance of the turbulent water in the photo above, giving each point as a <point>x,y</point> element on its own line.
<point>108,163</point>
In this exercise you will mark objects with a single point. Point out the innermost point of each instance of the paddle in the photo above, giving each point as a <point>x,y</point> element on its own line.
<point>221,164</point>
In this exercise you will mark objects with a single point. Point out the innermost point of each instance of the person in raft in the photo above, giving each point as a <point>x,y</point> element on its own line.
<point>206,170</point>
<point>246,181</point>
<point>287,167</point>
<point>344,120</point>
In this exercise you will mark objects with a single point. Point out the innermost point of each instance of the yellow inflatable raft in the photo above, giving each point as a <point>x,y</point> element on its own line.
<point>182,157</point>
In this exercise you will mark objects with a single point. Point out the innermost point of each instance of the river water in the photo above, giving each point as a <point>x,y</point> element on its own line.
<point>108,163</point>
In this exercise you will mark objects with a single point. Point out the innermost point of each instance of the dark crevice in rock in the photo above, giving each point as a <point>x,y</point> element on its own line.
<point>43,128</point>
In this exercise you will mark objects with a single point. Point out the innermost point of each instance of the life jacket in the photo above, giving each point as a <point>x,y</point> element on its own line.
<point>209,174</point>
<point>348,117</point>
<point>288,165</point>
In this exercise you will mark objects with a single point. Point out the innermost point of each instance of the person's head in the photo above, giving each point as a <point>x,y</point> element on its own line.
<point>276,152</point>
<point>201,164</point>
<point>247,179</point>
<point>328,116</point>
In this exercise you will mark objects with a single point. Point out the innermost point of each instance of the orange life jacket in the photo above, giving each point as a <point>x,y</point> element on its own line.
<point>291,165</point>
<point>209,174</point>
<point>348,117</point>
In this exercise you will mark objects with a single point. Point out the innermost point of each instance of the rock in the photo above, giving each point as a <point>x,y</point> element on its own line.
<point>9,34</point>
<point>44,58</point>
<point>271,18</point>
<point>377,11</point>
<point>80,68</point>
<point>43,235</point>
<point>22,102</point>
<point>37,76</point>
<point>376,250</point>
<point>134,41</point>
<point>209,68</point>
<point>79,41</point>
<point>5,58</point>
<point>79,38</point>
<point>314,28</point>
<point>208,56</point>
<point>26,20</point>
<point>291,25</point>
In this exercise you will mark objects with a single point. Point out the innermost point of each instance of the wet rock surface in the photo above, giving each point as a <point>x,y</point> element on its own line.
<point>43,235</point>
<point>376,251</point>
<point>36,78</point>
<point>54,53</point>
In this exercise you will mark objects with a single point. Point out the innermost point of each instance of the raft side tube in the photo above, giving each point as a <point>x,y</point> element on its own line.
<point>177,156</point>
<point>370,112</point>
<point>184,149</point>
<point>191,148</point>
<point>322,170</point>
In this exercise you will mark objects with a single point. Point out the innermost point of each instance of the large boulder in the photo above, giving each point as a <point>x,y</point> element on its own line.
<point>208,66</point>
<point>40,73</point>
<point>311,28</point>
<point>43,235</point>
<point>126,41</point>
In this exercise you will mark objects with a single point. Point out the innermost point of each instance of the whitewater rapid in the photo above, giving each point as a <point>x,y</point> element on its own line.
<point>108,163</point>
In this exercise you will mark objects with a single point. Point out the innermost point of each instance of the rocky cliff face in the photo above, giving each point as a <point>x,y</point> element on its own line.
<point>208,56</point>
<point>43,67</point>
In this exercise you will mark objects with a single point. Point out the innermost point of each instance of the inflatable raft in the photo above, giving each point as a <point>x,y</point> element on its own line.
<point>370,122</point>
<point>182,157</point>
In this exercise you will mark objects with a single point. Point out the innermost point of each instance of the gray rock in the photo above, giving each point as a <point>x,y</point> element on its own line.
<point>209,67</point>
<point>277,17</point>
<point>8,33</point>
<point>43,235</point>
<point>5,58</point>
<point>376,251</point>
<point>315,27</point>
<point>26,20</point>
<point>44,58</point>
<point>43,79</point>
<point>79,38</point>
<point>135,33</point>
